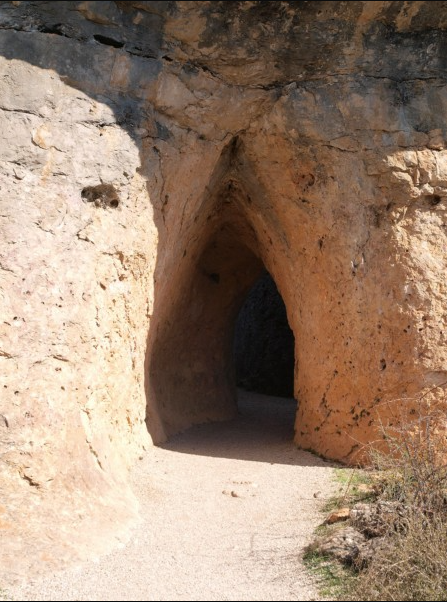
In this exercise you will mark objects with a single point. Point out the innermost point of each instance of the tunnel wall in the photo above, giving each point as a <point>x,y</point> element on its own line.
<point>131,135</point>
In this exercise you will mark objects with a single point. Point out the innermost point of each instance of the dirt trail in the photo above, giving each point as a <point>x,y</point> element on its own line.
<point>226,511</point>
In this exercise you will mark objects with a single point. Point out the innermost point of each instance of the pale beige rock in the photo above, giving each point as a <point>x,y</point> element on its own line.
<point>343,544</point>
<point>365,488</point>
<point>304,138</point>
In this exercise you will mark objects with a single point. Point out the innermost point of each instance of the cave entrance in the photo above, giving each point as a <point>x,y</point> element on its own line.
<point>192,372</point>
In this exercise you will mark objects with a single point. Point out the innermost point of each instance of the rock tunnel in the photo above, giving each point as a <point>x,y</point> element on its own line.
<point>192,358</point>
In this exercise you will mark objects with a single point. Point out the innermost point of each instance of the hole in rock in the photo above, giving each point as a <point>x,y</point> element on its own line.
<point>102,195</point>
<point>108,41</point>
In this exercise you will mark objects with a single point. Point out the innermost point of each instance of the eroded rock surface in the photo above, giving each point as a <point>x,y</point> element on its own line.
<point>307,138</point>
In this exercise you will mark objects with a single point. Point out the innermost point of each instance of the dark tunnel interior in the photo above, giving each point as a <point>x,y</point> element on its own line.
<point>264,343</point>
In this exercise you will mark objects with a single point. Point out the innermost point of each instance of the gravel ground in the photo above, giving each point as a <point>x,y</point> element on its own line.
<point>226,511</point>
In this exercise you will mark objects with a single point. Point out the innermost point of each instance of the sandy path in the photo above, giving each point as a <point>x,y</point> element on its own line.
<point>198,540</point>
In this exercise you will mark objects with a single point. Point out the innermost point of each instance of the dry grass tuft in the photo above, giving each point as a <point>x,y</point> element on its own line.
<point>409,566</point>
<point>411,563</point>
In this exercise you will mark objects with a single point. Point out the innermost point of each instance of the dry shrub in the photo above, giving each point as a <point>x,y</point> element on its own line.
<point>412,457</point>
<point>411,563</point>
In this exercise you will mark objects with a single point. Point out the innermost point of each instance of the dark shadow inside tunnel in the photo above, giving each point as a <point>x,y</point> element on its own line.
<point>264,345</point>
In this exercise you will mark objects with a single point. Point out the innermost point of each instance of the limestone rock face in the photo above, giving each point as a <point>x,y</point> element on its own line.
<point>155,158</point>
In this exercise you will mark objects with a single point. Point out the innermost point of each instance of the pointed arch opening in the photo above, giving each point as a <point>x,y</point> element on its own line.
<point>196,341</point>
<point>197,360</point>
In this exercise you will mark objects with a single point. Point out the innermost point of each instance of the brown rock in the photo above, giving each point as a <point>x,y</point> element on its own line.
<point>231,493</point>
<point>227,146</point>
<point>339,515</point>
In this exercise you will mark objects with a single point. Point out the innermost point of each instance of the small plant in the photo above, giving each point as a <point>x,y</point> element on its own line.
<point>411,563</point>
<point>412,463</point>
<point>333,579</point>
<point>356,485</point>
<point>402,514</point>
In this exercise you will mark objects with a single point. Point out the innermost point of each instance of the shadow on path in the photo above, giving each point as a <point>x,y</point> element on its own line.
<point>263,432</point>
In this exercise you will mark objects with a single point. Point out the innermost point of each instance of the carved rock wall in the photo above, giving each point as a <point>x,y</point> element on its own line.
<point>156,156</point>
